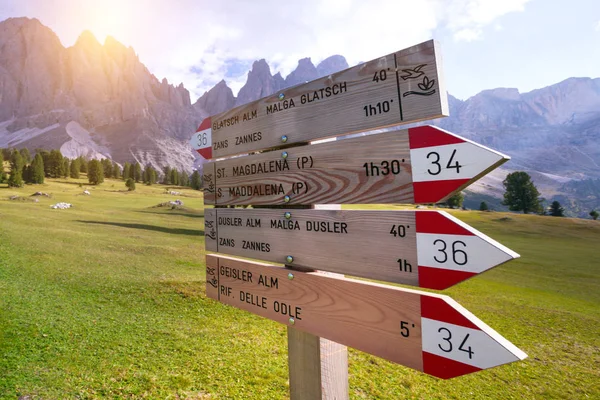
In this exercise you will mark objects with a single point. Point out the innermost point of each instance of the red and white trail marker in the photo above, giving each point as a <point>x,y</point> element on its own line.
<point>429,249</point>
<point>418,165</point>
<point>424,331</point>
<point>450,251</point>
<point>201,141</point>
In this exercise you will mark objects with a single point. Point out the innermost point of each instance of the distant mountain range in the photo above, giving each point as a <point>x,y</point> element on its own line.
<point>101,101</point>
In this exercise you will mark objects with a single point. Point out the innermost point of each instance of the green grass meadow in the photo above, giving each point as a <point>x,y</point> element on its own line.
<point>107,300</point>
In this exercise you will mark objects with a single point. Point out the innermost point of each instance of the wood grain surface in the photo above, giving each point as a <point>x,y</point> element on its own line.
<point>403,87</point>
<point>362,315</point>
<point>351,242</point>
<point>323,173</point>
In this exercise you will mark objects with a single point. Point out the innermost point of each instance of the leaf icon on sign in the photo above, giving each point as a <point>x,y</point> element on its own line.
<point>426,84</point>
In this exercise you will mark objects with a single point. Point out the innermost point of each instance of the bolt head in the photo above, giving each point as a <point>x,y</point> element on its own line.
<point>284,138</point>
<point>289,259</point>
<point>281,96</point>
<point>290,276</point>
<point>284,154</point>
<point>286,199</point>
<point>292,322</point>
<point>287,215</point>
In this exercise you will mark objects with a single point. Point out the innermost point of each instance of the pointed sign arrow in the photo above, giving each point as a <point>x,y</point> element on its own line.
<point>424,331</point>
<point>399,88</point>
<point>417,165</point>
<point>429,249</point>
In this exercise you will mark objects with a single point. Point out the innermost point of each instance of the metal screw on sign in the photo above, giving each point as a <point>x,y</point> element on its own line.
<point>290,276</point>
<point>289,259</point>
<point>284,138</point>
<point>286,199</point>
<point>287,215</point>
<point>292,322</point>
<point>281,96</point>
<point>284,154</point>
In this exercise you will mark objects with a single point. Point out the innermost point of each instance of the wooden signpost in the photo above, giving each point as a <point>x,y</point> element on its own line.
<point>399,88</point>
<point>417,165</point>
<point>424,331</point>
<point>430,249</point>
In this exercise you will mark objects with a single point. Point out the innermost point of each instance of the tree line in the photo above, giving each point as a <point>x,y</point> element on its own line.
<point>25,169</point>
<point>520,195</point>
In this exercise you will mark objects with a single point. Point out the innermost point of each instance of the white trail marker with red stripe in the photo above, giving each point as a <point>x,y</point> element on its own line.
<point>424,331</point>
<point>429,249</point>
<point>418,165</point>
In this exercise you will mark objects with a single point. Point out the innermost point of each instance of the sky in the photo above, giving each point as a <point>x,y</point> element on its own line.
<point>527,44</point>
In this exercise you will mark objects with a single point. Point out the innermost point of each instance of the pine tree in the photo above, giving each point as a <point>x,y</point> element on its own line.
<point>556,210</point>
<point>83,164</point>
<point>137,172</point>
<point>56,164</point>
<point>521,194</point>
<point>483,206</point>
<point>95,172</point>
<point>196,181</point>
<point>2,173</point>
<point>149,175</point>
<point>167,177</point>
<point>75,169</point>
<point>594,214</point>
<point>46,158</point>
<point>184,178</point>
<point>130,183</point>
<point>65,167</point>
<point>27,173</point>
<point>37,166</point>
<point>16,170</point>
<point>152,176</point>
<point>25,155</point>
<point>174,177</point>
<point>456,200</point>
<point>126,171</point>
<point>116,170</point>
<point>107,166</point>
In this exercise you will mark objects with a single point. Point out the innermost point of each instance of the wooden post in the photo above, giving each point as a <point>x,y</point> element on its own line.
<point>318,368</point>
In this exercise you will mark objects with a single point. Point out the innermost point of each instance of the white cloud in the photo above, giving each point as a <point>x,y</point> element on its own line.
<point>172,36</point>
<point>466,18</point>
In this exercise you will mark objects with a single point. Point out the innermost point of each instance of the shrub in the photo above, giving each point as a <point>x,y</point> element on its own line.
<point>130,183</point>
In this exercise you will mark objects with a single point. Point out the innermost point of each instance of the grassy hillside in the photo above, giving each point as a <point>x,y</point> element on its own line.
<point>106,300</point>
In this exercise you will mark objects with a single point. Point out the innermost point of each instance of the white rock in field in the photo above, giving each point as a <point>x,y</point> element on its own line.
<point>61,206</point>
<point>86,192</point>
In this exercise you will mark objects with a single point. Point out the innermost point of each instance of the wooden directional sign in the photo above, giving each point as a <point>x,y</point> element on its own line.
<point>417,165</point>
<point>430,249</point>
<point>424,331</point>
<point>399,88</point>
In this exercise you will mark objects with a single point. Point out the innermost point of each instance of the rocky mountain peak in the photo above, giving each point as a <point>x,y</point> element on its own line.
<point>260,83</point>
<point>502,93</point>
<point>118,51</point>
<point>218,99</point>
<point>305,71</point>
<point>279,81</point>
<point>87,41</point>
<point>331,65</point>
<point>574,99</point>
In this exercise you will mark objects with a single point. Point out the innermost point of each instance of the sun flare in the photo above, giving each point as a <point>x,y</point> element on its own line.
<point>114,18</point>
